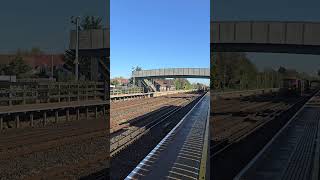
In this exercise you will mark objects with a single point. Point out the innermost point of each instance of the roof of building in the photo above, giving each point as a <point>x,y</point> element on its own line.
<point>164,82</point>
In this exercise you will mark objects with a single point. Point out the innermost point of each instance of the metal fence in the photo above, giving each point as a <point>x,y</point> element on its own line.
<point>133,90</point>
<point>48,92</point>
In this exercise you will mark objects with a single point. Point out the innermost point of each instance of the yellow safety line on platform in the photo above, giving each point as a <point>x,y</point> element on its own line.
<point>203,163</point>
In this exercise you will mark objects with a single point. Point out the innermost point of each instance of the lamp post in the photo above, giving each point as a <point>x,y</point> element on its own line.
<point>76,61</point>
<point>52,66</point>
<point>77,49</point>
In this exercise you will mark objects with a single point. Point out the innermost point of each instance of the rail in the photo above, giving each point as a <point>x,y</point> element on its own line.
<point>244,91</point>
<point>135,134</point>
<point>231,94</point>
<point>227,143</point>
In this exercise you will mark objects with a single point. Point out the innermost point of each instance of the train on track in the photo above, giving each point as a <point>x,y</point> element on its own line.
<point>202,89</point>
<point>294,86</point>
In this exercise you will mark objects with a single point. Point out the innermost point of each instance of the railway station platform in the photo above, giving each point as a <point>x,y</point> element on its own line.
<point>124,97</point>
<point>183,152</point>
<point>293,153</point>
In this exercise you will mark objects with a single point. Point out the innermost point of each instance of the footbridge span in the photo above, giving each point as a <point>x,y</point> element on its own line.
<point>144,77</point>
<point>265,36</point>
<point>173,73</point>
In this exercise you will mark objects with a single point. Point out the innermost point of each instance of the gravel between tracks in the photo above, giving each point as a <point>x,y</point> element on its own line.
<point>65,155</point>
<point>37,152</point>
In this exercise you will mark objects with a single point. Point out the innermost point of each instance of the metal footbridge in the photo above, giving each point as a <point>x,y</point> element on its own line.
<point>173,73</point>
<point>265,36</point>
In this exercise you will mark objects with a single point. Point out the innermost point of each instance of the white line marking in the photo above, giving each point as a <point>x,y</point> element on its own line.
<point>182,175</point>
<point>187,155</point>
<point>169,177</point>
<point>188,158</point>
<point>194,148</point>
<point>143,169</point>
<point>192,172</point>
<point>179,164</point>
<point>190,152</point>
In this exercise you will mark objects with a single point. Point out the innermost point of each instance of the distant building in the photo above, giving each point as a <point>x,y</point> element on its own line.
<point>164,85</point>
<point>121,81</point>
<point>39,63</point>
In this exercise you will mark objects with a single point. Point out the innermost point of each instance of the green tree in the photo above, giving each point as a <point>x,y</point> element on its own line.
<point>17,67</point>
<point>115,82</point>
<point>35,51</point>
<point>181,83</point>
<point>137,68</point>
<point>91,22</point>
<point>214,84</point>
<point>232,70</point>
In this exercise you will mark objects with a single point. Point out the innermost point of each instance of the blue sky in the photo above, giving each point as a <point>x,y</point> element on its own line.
<point>277,10</point>
<point>159,34</point>
<point>42,23</point>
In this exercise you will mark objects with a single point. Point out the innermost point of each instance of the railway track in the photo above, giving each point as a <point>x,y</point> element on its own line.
<point>249,114</point>
<point>64,150</point>
<point>140,141</point>
<point>133,133</point>
<point>122,141</point>
<point>250,136</point>
<point>265,112</point>
<point>119,117</point>
<point>140,127</point>
<point>31,151</point>
<point>229,104</point>
<point>130,113</point>
<point>138,102</point>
